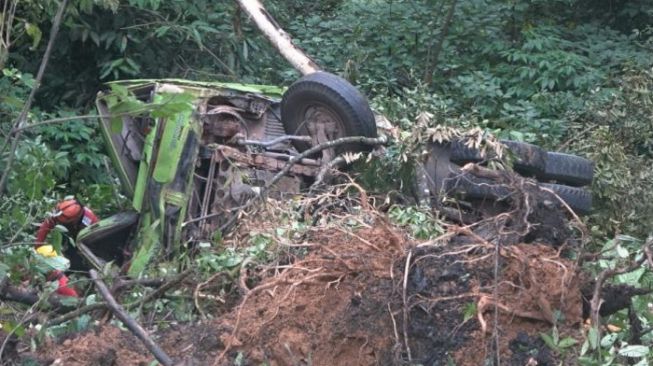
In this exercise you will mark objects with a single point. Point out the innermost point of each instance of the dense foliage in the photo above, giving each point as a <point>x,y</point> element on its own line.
<point>574,75</point>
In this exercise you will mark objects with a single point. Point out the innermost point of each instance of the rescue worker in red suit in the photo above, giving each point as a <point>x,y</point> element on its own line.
<point>74,217</point>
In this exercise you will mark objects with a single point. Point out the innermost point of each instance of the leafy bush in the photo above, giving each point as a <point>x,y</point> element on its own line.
<point>616,131</point>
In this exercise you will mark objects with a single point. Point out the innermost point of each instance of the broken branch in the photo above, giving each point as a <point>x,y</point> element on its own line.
<point>28,297</point>
<point>405,309</point>
<point>121,284</point>
<point>323,146</point>
<point>129,322</point>
<point>609,273</point>
<point>28,103</point>
<point>75,313</point>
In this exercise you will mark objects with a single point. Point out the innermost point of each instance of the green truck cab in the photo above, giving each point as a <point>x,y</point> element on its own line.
<point>187,170</point>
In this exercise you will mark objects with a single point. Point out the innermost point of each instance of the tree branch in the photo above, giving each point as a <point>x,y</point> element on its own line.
<point>165,287</point>
<point>433,64</point>
<point>75,313</point>
<point>28,103</point>
<point>609,273</point>
<point>323,146</point>
<point>129,322</point>
<point>52,121</point>
<point>28,297</point>
<point>278,37</point>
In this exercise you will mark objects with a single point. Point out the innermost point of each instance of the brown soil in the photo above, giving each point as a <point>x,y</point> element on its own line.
<point>351,301</point>
<point>330,308</point>
<point>106,346</point>
<point>536,289</point>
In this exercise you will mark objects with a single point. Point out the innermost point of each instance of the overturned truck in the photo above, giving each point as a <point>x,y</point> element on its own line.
<point>187,173</point>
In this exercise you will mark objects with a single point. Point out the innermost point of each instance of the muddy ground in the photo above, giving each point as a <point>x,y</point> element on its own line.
<point>352,300</point>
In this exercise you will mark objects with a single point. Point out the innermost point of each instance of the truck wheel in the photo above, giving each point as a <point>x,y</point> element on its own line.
<point>579,199</point>
<point>568,169</point>
<point>326,107</point>
<point>530,160</point>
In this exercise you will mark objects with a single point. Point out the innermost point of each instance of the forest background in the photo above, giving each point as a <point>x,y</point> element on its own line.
<point>570,75</point>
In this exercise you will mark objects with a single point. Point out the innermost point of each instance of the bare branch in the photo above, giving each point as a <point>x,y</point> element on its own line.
<point>278,37</point>
<point>323,146</point>
<point>25,296</point>
<point>433,64</point>
<point>129,322</point>
<point>52,121</point>
<point>28,103</point>
<point>609,273</point>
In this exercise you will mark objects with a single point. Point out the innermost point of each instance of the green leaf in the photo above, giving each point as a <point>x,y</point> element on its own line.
<point>632,278</point>
<point>56,240</point>
<point>217,237</point>
<point>469,311</point>
<point>584,348</point>
<point>549,341</point>
<point>4,269</point>
<point>69,302</point>
<point>622,252</point>
<point>95,38</point>
<point>161,31</point>
<point>172,104</point>
<point>48,264</point>
<point>82,323</point>
<point>197,37</point>
<point>133,64</point>
<point>634,351</point>
<point>35,33</point>
<point>129,105</point>
<point>593,337</point>
<point>123,44</point>
<point>120,90</point>
<point>17,329</point>
<point>609,340</point>
<point>567,342</point>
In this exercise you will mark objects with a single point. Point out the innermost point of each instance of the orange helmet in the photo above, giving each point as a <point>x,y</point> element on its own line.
<point>68,211</point>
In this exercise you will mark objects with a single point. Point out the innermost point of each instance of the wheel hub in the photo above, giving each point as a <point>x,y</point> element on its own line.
<point>323,126</point>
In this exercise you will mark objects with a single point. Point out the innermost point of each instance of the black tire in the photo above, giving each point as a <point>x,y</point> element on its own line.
<point>339,97</point>
<point>530,160</point>
<point>568,169</point>
<point>579,199</point>
<point>471,186</point>
<point>461,154</point>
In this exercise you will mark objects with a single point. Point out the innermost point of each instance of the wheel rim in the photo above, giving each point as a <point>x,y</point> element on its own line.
<point>322,124</point>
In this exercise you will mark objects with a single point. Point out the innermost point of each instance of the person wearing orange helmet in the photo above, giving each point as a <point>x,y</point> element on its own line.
<point>72,215</point>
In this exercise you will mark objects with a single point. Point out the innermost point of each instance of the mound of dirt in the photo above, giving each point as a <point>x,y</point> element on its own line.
<point>106,346</point>
<point>329,308</point>
<point>536,289</point>
<point>371,296</point>
<point>352,300</point>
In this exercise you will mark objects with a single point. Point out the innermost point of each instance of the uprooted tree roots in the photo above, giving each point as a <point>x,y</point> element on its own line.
<point>370,297</point>
<point>358,291</point>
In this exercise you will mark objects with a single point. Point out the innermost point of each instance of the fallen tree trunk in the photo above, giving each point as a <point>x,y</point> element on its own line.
<point>9,292</point>
<point>278,37</point>
<point>293,54</point>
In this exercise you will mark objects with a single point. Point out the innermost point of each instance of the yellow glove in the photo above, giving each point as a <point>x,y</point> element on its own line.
<point>47,251</point>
